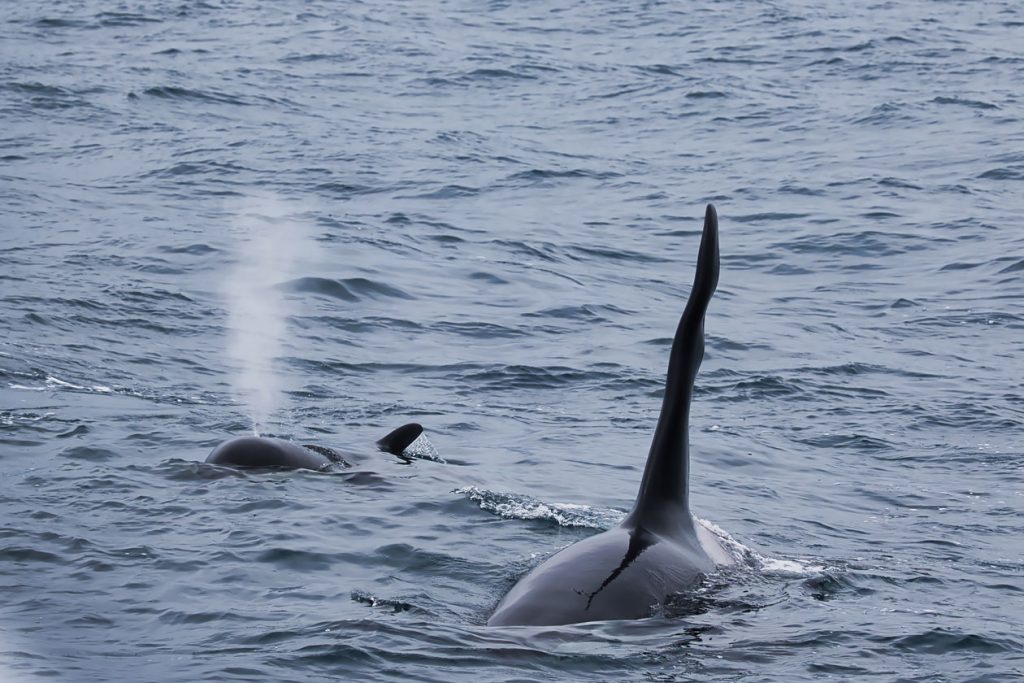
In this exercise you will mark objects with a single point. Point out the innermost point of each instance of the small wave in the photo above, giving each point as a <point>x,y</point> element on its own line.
<point>587,253</point>
<point>789,269</point>
<point>26,388</point>
<point>739,552</point>
<point>331,57</point>
<point>1003,174</point>
<point>847,369</point>
<point>320,285</point>
<point>197,249</point>
<point>758,387</point>
<point>517,506</point>
<point>346,190</point>
<point>51,97</point>
<point>298,560</point>
<point>749,559</point>
<point>55,383</point>
<point>831,61</point>
<point>960,265</point>
<point>857,442</point>
<point>488,278</point>
<point>533,377</point>
<point>705,94</point>
<point>541,251</point>
<point>1013,268</point>
<point>58,22</point>
<point>9,418</point>
<point>792,188</point>
<point>944,641</point>
<point>350,289</point>
<point>192,471</point>
<point>969,318</point>
<point>768,216</point>
<point>395,606</point>
<point>884,115</point>
<point>182,618</point>
<point>489,74</point>
<point>788,567</point>
<point>544,176</point>
<point>737,60</point>
<point>193,168</point>
<point>40,89</point>
<point>88,453</point>
<point>659,70</point>
<point>976,104</point>
<point>125,19</point>
<point>28,555</point>
<point>170,92</point>
<point>591,313</point>
<point>867,243</point>
<point>857,47</point>
<point>449,192</point>
<point>897,183</point>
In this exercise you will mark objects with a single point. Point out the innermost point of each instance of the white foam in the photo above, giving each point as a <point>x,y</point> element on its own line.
<point>764,564</point>
<point>774,565</point>
<point>517,506</point>
<point>57,383</point>
<point>422,449</point>
<point>27,388</point>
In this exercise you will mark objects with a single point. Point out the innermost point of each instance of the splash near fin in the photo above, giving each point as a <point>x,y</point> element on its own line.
<point>329,453</point>
<point>398,440</point>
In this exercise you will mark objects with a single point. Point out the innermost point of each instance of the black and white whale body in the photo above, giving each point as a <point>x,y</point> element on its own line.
<point>260,451</point>
<point>659,549</point>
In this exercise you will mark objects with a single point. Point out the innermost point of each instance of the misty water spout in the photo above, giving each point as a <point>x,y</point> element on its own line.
<point>270,248</point>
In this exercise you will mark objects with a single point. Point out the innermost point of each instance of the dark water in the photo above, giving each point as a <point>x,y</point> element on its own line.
<point>483,217</point>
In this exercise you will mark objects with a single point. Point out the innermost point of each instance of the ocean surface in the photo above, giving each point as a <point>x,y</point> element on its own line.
<point>323,220</point>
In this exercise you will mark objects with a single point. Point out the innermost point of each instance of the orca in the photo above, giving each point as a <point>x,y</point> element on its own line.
<point>659,549</point>
<point>261,451</point>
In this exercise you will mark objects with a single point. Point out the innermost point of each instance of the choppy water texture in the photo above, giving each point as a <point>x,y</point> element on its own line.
<point>484,217</point>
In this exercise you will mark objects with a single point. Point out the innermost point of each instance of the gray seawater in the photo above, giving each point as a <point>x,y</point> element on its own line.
<point>483,216</point>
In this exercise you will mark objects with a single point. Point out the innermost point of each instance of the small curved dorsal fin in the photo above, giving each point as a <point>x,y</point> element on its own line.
<point>398,440</point>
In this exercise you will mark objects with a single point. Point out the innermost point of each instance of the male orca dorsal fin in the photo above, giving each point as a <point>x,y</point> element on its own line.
<point>398,440</point>
<point>662,503</point>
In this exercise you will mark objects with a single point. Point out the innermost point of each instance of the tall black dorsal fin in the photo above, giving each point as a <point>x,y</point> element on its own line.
<point>398,440</point>
<point>663,500</point>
